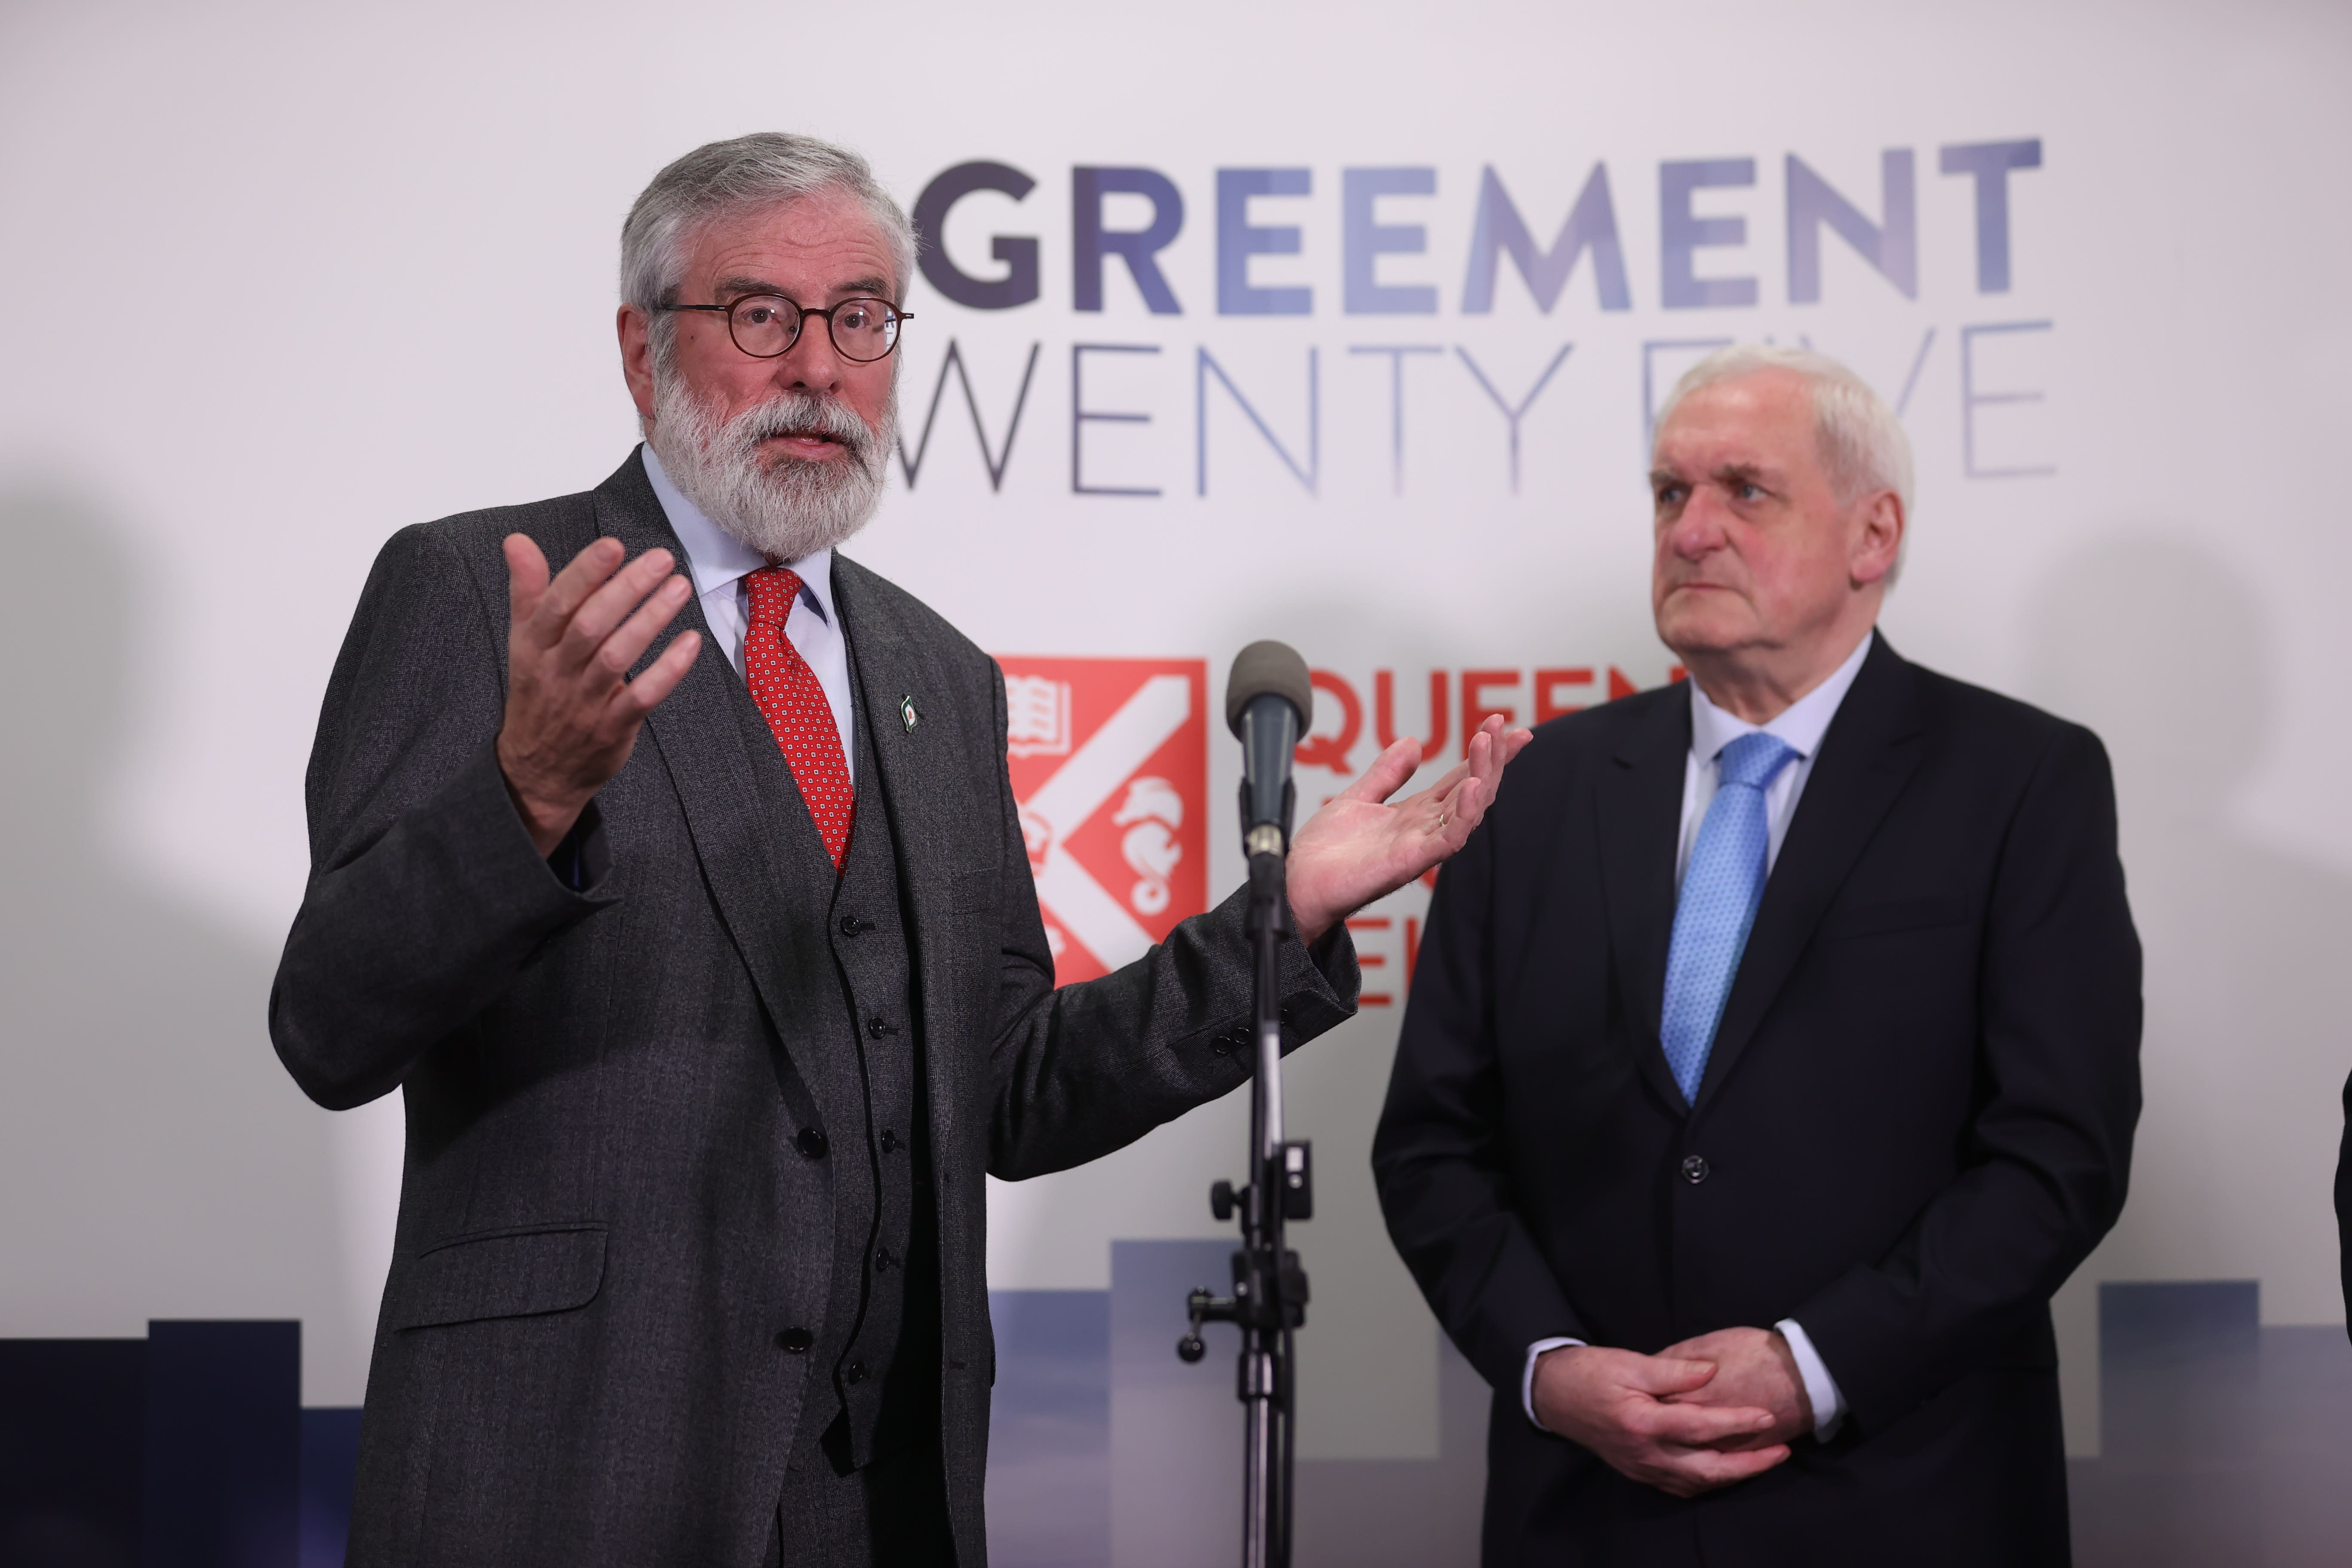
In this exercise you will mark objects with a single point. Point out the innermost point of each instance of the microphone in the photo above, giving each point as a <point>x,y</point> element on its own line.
<point>1268,702</point>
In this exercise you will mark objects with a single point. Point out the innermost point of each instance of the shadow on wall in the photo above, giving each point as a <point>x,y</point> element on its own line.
<point>2162,648</point>
<point>155,1161</point>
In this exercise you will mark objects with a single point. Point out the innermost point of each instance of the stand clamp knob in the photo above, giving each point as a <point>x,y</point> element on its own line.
<point>1203,1307</point>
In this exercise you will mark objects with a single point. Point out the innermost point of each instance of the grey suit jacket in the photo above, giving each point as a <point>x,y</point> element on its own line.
<point>603,1224</point>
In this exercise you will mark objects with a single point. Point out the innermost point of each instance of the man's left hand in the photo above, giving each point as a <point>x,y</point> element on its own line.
<point>1752,1367</point>
<point>1360,847</point>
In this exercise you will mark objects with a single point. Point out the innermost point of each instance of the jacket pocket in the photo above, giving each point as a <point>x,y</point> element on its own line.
<point>1897,914</point>
<point>518,1273</point>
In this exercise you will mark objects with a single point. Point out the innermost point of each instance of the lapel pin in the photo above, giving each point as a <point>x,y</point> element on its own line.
<point>906,714</point>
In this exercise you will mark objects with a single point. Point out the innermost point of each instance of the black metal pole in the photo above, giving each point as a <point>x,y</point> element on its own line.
<point>1259,1294</point>
<point>1269,1298</point>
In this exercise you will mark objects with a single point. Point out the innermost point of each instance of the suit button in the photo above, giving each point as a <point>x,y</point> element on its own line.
<point>851,925</point>
<point>811,1142</point>
<point>879,1025</point>
<point>853,1372</point>
<point>796,1341</point>
<point>1694,1169</point>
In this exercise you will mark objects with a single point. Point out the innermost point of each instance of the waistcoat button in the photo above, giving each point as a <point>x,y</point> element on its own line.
<point>811,1144</point>
<point>853,1372</point>
<point>1694,1169</point>
<point>796,1341</point>
<point>877,1026</point>
<point>890,1142</point>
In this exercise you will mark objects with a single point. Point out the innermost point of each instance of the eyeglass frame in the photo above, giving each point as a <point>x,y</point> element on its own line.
<point>800,326</point>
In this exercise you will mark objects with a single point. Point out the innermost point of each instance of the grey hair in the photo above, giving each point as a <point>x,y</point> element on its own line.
<point>767,168</point>
<point>1863,447</point>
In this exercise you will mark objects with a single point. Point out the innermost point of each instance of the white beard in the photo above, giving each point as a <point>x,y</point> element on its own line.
<point>787,507</point>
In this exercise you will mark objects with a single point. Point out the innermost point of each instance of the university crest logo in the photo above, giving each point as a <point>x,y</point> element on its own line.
<point>1110,769</point>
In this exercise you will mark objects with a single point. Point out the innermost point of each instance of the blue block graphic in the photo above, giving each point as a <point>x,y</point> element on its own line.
<point>2225,1441</point>
<point>73,1429</point>
<point>223,1444</point>
<point>330,1462</point>
<point>2221,1441</point>
<point>1049,1428</point>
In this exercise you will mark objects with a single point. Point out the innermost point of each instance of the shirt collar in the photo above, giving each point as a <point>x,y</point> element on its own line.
<point>717,560</point>
<point>1800,726</point>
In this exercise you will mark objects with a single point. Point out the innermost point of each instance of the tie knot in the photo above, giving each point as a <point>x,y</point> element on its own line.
<point>773,589</point>
<point>1753,760</point>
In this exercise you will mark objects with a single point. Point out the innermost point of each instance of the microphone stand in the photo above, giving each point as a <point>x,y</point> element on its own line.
<point>1269,1299</point>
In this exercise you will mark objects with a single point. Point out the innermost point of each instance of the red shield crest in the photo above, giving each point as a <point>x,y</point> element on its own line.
<point>1111,768</point>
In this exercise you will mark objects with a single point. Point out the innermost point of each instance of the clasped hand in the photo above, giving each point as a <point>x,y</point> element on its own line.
<point>1702,1415</point>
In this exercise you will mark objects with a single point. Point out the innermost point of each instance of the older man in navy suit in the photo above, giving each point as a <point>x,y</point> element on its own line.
<point>1773,1052</point>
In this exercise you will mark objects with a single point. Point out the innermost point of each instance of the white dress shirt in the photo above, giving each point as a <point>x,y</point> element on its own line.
<point>718,562</point>
<point>1800,727</point>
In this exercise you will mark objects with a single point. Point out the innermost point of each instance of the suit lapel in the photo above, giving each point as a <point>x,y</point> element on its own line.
<point>918,766</point>
<point>1639,797</point>
<point>1866,757</point>
<point>739,799</point>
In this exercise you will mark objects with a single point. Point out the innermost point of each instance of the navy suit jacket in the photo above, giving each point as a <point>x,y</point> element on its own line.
<point>1916,1121</point>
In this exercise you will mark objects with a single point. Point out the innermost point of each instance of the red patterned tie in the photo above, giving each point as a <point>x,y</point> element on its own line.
<point>792,702</point>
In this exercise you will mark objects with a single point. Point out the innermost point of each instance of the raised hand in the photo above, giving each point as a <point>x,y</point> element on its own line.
<point>1636,1413</point>
<point>572,714</point>
<point>1754,1369</point>
<point>1360,847</point>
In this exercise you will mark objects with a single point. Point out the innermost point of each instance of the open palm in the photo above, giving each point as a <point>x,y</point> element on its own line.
<point>1361,845</point>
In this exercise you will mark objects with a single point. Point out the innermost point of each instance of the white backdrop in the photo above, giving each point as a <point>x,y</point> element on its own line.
<point>283,278</point>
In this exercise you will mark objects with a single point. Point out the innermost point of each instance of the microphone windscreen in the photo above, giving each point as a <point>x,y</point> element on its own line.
<point>1265,668</point>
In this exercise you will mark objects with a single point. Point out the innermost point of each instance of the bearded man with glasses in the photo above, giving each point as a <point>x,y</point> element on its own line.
<point>707,1043</point>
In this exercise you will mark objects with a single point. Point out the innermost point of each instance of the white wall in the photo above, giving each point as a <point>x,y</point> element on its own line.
<point>283,278</point>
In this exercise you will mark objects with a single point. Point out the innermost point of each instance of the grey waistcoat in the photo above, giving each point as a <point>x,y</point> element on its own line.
<point>879,1346</point>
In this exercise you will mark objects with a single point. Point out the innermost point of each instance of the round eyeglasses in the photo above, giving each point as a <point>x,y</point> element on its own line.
<point>767,325</point>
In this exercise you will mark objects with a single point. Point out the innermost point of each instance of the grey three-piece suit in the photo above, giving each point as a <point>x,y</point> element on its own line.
<point>696,1130</point>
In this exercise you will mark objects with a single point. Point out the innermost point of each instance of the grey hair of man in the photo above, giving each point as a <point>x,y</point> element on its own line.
<point>1864,447</point>
<point>722,179</point>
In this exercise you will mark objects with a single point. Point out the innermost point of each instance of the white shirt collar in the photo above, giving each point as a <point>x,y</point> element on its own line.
<point>716,559</point>
<point>1800,726</point>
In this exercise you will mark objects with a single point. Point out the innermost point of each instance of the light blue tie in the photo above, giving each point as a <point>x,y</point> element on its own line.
<point>1720,889</point>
